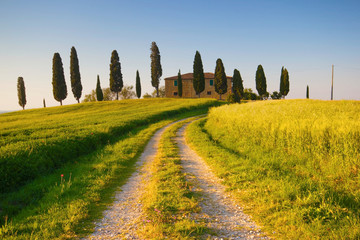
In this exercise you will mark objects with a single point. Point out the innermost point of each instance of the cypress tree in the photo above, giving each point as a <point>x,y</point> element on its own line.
<point>282,89</point>
<point>198,74</point>
<point>21,92</point>
<point>156,70</point>
<point>58,81</point>
<point>284,82</point>
<point>238,87</point>
<point>260,80</point>
<point>307,91</point>
<point>76,86</point>
<point>138,85</point>
<point>220,80</point>
<point>99,92</point>
<point>180,88</point>
<point>44,103</point>
<point>116,79</point>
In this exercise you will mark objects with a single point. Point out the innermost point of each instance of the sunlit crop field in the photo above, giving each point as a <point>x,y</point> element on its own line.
<point>294,163</point>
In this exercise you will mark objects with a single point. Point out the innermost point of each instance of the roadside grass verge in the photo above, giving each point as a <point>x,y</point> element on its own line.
<point>293,188</point>
<point>55,207</point>
<point>168,201</point>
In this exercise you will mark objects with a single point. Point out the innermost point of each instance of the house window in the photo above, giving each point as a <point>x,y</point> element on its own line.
<point>211,82</point>
<point>209,93</point>
<point>175,93</point>
<point>175,83</point>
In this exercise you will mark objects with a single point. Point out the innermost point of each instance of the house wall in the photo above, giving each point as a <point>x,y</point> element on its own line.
<point>189,92</point>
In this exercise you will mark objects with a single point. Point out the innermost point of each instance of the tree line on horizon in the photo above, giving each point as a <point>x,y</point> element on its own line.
<point>238,91</point>
<point>117,87</point>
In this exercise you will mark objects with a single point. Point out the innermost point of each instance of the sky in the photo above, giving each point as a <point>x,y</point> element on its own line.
<point>306,37</point>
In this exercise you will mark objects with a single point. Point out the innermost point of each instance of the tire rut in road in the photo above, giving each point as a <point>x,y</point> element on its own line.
<point>219,211</point>
<point>123,218</point>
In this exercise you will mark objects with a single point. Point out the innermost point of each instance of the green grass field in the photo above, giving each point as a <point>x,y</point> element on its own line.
<point>94,146</point>
<point>294,164</point>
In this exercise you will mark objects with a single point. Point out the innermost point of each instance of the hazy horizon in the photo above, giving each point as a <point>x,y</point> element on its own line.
<point>305,37</point>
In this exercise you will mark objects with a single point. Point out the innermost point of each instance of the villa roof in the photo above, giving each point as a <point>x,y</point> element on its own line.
<point>189,76</point>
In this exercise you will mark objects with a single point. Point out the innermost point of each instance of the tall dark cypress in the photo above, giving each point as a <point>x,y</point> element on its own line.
<point>156,70</point>
<point>58,80</point>
<point>220,80</point>
<point>138,85</point>
<point>180,87</point>
<point>238,88</point>
<point>75,77</point>
<point>198,74</point>
<point>284,82</point>
<point>44,104</point>
<point>116,79</point>
<point>21,92</point>
<point>99,92</point>
<point>260,80</point>
<point>307,91</point>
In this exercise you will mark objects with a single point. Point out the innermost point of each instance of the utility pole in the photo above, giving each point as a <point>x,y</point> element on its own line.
<point>332,83</point>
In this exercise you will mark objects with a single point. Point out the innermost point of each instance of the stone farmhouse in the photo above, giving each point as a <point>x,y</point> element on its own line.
<point>171,87</point>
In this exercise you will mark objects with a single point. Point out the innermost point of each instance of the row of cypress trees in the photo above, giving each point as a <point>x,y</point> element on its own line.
<point>58,79</point>
<point>59,84</point>
<point>116,79</point>
<point>261,83</point>
<point>220,80</point>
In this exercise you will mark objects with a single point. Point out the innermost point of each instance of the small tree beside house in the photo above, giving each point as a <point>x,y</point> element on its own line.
<point>238,88</point>
<point>198,74</point>
<point>220,80</point>
<point>180,88</point>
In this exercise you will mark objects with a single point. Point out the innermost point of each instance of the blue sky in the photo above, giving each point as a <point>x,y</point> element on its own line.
<point>306,37</point>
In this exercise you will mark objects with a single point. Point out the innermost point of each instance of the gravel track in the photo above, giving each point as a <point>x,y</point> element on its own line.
<point>218,210</point>
<point>224,217</point>
<point>122,219</point>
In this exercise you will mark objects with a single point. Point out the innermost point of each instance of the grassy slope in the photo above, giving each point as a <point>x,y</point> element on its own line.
<point>52,206</point>
<point>294,164</point>
<point>35,142</point>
